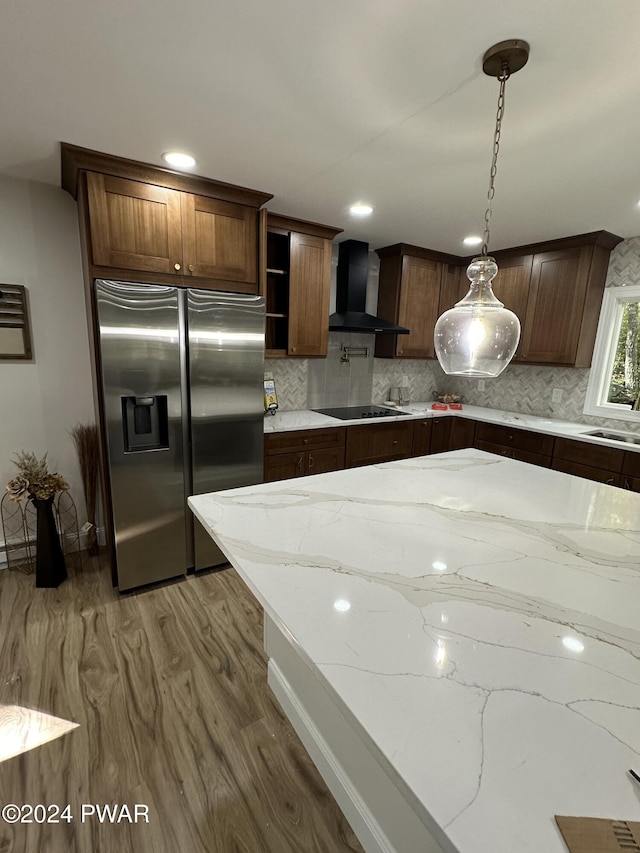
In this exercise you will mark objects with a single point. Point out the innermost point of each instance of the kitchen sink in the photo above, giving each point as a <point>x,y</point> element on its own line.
<point>622,437</point>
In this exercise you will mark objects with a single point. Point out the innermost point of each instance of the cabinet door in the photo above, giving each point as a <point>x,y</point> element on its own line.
<point>631,464</point>
<point>511,286</point>
<point>421,438</point>
<point>134,225</point>
<point>220,239</point>
<point>284,467</point>
<point>440,434</point>
<point>309,286</point>
<point>373,443</point>
<point>418,309</point>
<point>462,433</point>
<point>453,287</point>
<point>556,301</point>
<point>321,461</point>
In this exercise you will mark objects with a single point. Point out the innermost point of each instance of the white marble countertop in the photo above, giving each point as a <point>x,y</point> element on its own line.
<point>478,618</point>
<point>308,419</point>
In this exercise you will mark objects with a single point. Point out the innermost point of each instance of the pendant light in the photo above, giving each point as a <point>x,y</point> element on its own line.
<point>479,336</point>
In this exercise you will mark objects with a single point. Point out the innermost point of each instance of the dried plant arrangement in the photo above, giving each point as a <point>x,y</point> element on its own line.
<point>34,479</point>
<point>85,438</point>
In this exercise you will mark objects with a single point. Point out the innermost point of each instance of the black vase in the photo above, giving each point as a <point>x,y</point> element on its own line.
<point>50,566</point>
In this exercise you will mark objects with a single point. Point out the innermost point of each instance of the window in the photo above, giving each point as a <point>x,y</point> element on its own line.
<point>614,382</point>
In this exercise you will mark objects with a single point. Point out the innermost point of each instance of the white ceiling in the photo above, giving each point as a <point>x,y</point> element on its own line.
<point>326,102</point>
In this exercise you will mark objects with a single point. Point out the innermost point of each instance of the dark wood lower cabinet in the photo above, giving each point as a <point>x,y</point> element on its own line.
<point>631,483</point>
<point>303,452</point>
<point>440,434</point>
<point>587,472</point>
<point>585,453</point>
<point>283,467</point>
<point>462,434</point>
<point>367,445</point>
<point>532,447</point>
<point>421,437</point>
<point>514,453</point>
<point>630,477</point>
<point>517,439</point>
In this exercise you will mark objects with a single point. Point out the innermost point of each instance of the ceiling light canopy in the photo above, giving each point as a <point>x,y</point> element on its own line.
<point>479,336</point>
<point>360,209</point>
<point>179,160</point>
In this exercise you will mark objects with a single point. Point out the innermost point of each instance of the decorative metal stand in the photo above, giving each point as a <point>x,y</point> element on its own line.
<point>67,523</point>
<point>19,542</point>
<point>19,531</point>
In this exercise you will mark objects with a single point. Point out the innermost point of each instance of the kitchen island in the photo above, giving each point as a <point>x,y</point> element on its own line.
<point>456,639</point>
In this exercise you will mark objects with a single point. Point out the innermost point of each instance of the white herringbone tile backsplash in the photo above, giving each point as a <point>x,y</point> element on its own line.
<point>290,377</point>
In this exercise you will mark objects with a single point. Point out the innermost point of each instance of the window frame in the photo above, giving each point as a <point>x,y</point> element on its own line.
<point>604,353</point>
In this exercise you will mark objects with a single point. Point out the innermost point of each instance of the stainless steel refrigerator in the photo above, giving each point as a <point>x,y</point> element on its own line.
<point>182,407</point>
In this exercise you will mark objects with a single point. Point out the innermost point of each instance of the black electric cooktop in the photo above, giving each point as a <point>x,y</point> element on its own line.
<point>347,413</point>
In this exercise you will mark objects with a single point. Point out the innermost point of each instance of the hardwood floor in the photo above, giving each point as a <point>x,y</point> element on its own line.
<point>169,689</point>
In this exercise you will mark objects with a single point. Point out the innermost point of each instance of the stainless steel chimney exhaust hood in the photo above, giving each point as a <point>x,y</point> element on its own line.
<point>351,294</point>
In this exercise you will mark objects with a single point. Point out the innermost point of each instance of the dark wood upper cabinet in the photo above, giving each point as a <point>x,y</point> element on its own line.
<point>557,295</point>
<point>134,225</point>
<point>555,289</point>
<point>219,239</point>
<point>146,223</point>
<point>297,285</point>
<point>309,292</point>
<point>413,287</point>
<point>511,286</point>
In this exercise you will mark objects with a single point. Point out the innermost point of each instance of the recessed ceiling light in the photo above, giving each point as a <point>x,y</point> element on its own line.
<point>360,209</point>
<point>472,241</point>
<point>179,160</point>
<point>341,605</point>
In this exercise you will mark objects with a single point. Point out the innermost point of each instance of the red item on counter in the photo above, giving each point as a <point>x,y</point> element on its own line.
<point>439,407</point>
<point>456,406</point>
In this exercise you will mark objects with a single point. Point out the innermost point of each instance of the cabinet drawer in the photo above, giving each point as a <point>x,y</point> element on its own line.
<point>631,464</point>
<point>600,475</point>
<point>515,453</point>
<point>367,445</point>
<point>308,439</point>
<point>520,439</point>
<point>592,455</point>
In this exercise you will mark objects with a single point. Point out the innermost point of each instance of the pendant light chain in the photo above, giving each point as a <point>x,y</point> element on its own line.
<point>504,76</point>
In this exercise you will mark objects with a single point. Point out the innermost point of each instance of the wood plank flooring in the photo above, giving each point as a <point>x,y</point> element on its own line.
<point>169,689</point>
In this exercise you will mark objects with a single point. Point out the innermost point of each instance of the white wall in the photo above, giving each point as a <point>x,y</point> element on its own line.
<point>42,399</point>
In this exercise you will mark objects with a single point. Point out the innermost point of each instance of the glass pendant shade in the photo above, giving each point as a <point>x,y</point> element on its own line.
<point>479,336</point>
